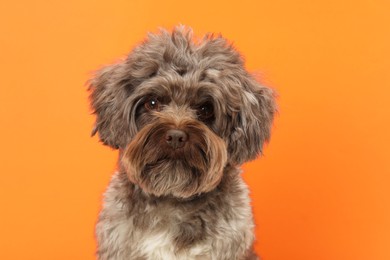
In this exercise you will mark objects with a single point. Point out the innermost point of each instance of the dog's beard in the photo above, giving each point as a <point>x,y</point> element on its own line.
<point>163,171</point>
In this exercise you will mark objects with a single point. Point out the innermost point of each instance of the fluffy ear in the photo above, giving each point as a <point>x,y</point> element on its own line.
<point>109,89</point>
<point>252,123</point>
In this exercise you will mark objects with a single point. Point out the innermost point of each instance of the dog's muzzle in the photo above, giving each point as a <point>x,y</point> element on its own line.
<point>179,158</point>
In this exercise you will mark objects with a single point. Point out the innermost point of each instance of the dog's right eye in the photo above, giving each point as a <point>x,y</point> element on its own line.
<point>152,104</point>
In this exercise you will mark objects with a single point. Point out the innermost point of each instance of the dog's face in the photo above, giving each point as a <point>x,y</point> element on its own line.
<point>180,112</point>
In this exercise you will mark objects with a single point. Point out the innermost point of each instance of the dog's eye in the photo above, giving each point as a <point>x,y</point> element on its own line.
<point>152,104</point>
<point>205,112</point>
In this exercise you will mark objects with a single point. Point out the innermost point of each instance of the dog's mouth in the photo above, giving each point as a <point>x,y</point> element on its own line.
<point>176,161</point>
<point>160,169</point>
<point>171,173</point>
<point>176,170</point>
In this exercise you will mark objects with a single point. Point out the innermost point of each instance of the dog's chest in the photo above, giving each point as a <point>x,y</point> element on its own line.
<point>161,246</point>
<point>168,232</point>
<point>132,227</point>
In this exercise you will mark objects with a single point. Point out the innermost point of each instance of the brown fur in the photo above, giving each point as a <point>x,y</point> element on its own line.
<point>188,202</point>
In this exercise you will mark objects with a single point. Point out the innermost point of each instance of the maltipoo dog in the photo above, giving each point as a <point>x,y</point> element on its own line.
<point>184,114</point>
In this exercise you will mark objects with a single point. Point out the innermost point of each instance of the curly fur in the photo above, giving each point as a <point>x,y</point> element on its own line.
<point>187,203</point>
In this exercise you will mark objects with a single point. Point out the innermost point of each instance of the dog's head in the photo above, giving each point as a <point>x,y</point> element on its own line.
<point>181,111</point>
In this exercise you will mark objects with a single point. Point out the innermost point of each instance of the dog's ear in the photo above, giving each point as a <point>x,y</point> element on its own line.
<point>252,123</point>
<point>109,89</point>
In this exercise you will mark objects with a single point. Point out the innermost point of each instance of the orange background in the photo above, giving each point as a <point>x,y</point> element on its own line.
<point>322,190</point>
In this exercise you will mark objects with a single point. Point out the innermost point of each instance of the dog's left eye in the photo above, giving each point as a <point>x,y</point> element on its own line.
<point>152,104</point>
<point>205,112</point>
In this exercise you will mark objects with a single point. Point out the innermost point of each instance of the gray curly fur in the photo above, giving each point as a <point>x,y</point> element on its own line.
<point>196,206</point>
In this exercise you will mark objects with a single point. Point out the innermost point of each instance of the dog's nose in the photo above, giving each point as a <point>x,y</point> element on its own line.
<point>176,138</point>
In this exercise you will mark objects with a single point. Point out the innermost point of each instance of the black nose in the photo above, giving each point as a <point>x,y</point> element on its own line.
<point>176,138</point>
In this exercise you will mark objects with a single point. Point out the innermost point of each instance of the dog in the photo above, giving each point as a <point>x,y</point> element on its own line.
<point>185,114</point>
